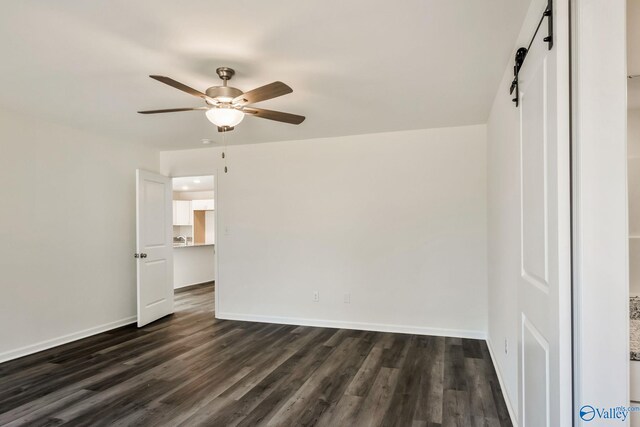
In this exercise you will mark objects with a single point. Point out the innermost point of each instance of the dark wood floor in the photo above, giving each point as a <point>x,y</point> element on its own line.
<point>191,369</point>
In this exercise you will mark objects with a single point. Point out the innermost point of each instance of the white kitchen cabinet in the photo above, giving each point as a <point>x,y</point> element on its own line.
<point>182,212</point>
<point>202,205</point>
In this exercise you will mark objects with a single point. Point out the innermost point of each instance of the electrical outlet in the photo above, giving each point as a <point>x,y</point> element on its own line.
<point>506,346</point>
<point>316,296</point>
<point>347,298</point>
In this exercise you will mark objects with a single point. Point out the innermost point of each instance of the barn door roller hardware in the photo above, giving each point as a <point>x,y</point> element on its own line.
<point>521,53</point>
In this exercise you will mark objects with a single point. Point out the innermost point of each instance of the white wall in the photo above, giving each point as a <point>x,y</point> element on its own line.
<point>633,173</point>
<point>397,220</point>
<point>182,230</point>
<point>633,133</point>
<point>67,233</point>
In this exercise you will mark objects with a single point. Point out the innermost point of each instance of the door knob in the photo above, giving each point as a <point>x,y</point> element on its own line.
<point>143,255</point>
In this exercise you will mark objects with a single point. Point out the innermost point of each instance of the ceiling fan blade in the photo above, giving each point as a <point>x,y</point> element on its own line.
<point>172,110</point>
<point>278,116</point>
<point>272,90</point>
<point>191,91</point>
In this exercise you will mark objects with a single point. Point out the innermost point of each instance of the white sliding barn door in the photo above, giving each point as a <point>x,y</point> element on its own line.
<point>544,285</point>
<point>154,248</point>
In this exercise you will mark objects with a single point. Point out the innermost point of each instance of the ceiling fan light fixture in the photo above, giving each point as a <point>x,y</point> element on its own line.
<point>226,106</point>
<point>222,116</point>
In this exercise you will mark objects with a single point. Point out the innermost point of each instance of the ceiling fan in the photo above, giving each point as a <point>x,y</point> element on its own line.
<point>226,106</point>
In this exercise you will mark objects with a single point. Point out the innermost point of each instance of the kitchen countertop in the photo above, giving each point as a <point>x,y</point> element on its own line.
<point>634,327</point>
<point>191,245</point>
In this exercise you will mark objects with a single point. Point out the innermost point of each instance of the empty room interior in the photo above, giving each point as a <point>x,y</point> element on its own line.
<point>362,213</point>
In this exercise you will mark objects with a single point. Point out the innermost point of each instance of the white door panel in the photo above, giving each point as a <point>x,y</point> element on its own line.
<point>534,176</point>
<point>154,225</point>
<point>154,219</point>
<point>545,237</point>
<point>535,364</point>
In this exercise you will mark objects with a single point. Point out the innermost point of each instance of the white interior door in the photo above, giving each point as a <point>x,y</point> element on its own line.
<point>544,284</point>
<point>154,247</point>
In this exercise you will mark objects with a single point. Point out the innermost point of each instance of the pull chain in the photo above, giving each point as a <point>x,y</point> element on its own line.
<point>224,144</point>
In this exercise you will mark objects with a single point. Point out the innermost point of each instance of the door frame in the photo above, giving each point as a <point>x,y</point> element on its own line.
<point>599,205</point>
<point>216,249</point>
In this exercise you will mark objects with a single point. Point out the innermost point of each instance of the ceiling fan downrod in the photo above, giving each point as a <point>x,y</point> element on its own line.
<point>225,73</point>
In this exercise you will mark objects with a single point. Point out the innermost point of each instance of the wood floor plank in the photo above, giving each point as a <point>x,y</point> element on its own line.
<point>367,373</point>
<point>234,410</point>
<point>343,413</point>
<point>428,410</point>
<point>308,395</point>
<point>45,411</point>
<point>295,377</point>
<point>192,369</point>
<point>376,405</point>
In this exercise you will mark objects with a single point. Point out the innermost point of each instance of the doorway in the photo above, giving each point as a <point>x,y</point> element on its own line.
<point>194,235</point>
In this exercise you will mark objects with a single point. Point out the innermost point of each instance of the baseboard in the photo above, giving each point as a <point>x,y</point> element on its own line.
<point>45,345</point>
<point>512,412</point>
<point>361,326</point>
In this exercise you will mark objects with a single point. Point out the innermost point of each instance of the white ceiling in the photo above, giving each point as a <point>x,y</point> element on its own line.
<point>357,66</point>
<point>193,183</point>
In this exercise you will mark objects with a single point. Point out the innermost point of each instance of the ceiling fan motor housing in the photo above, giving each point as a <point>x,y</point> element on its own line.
<point>223,92</point>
